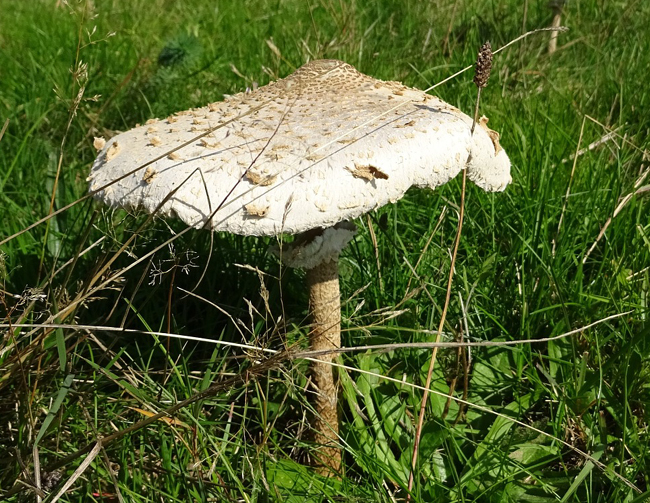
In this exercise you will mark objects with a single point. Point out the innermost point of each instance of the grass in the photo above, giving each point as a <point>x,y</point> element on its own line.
<point>519,274</point>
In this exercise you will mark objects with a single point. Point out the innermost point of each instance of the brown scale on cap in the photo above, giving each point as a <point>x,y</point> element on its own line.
<point>368,172</point>
<point>149,175</point>
<point>99,143</point>
<point>112,151</point>
<point>207,144</point>
<point>256,210</point>
<point>261,179</point>
<point>494,136</point>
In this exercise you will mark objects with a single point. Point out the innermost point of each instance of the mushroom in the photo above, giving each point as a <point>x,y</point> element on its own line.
<point>303,155</point>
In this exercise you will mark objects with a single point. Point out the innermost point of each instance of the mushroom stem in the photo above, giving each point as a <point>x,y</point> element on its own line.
<point>325,309</point>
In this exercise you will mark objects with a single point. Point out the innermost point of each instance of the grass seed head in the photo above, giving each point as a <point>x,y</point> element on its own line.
<point>483,65</point>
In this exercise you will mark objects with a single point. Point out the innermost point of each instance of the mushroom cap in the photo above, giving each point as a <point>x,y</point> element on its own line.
<point>323,145</point>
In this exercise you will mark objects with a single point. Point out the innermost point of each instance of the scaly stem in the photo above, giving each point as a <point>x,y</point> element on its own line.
<point>325,309</point>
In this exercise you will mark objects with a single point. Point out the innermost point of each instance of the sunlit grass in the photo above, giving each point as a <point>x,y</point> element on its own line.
<point>519,274</point>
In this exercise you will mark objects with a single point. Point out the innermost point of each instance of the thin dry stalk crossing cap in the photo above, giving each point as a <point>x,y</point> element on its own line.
<point>324,145</point>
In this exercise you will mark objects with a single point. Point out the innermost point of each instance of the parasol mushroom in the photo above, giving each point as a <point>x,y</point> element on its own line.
<point>304,156</point>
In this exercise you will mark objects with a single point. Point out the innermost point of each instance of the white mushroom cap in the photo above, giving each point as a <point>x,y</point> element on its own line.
<point>323,145</point>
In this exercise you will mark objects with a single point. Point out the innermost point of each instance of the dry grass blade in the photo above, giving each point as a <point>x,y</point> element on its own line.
<point>310,354</point>
<point>568,189</point>
<point>441,218</point>
<point>96,449</point>
<point>624,139</point>
<point>107,461</point>
<point>593,145</point>
<point>4,128</point>
<point>514,41</point>
<point>481,75</point>
<point>375,247</point>
<point>638,190</point>
<point>37,474</point>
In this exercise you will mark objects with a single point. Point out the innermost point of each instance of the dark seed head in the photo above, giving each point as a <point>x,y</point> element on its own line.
<point>483,65</point>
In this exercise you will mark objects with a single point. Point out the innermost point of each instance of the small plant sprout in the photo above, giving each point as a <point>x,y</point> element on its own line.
<point>301,156</point>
